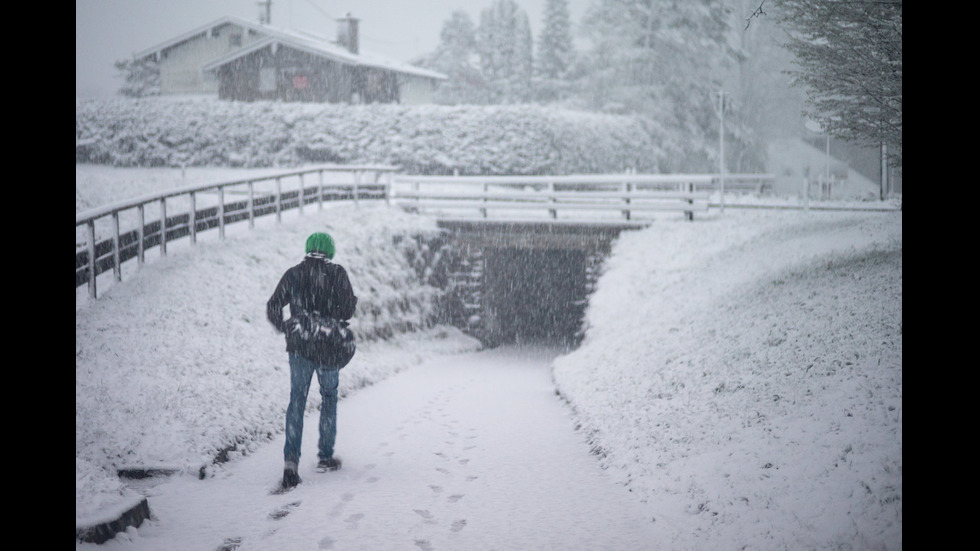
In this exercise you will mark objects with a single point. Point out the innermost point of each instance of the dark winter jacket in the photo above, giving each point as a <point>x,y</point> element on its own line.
<point>315,285</point>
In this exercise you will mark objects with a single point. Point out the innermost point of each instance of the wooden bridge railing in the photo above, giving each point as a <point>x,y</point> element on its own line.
<point>586,195</point>
<point>230,202</point>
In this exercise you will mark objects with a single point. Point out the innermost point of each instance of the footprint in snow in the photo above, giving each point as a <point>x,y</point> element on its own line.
<point>426,515</point>
<point>353,520</point>
<point>284,510</point>
<point>230,544</point>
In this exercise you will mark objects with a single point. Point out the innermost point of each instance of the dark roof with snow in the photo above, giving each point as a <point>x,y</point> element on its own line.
<point>299,40</point>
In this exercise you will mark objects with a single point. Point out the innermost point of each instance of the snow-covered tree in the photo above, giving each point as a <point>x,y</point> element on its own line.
<point>764,90</point>
<point>555,53</point>
<point>850,62</point>
<point>664,59</point>
<point>506,52</point>
<point>457,57</point>
<point>140,77</point>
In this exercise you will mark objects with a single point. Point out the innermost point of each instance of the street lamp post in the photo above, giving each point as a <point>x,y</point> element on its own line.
<point>721,147</point>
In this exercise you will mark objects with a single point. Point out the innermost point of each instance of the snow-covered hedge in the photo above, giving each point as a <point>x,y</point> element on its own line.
<point>432,139</point>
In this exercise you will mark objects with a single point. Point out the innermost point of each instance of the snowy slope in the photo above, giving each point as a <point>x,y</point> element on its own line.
<point>741,377</point>
<point>747,371</point>
<point>178,362</point>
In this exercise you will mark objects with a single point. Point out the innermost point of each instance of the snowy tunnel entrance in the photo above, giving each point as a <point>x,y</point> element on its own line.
<point>533,295</point>
<point>528,283</point>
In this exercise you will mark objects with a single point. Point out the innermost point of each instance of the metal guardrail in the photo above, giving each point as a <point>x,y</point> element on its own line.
<point>93,256</point>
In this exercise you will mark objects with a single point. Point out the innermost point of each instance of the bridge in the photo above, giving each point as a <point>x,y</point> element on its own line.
<point>526,248</point>
<point>529,247</point>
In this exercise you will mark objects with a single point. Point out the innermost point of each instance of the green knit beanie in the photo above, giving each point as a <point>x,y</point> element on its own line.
<point>320,242</point>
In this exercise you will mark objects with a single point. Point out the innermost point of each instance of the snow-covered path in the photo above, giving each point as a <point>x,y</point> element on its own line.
<point>470,451</point>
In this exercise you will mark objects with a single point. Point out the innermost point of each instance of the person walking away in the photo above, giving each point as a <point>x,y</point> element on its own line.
<point>321,301</point>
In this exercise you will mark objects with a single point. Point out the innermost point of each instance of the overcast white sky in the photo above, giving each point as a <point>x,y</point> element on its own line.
<point>109,30</point>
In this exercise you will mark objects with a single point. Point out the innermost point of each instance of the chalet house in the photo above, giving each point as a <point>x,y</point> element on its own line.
<point>245,61</point>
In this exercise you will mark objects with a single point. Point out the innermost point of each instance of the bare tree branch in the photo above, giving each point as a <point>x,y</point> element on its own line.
<point>757,13</point>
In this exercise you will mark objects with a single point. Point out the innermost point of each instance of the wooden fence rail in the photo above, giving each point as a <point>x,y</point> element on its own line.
<point>95,255</point>
<point>586,194</point>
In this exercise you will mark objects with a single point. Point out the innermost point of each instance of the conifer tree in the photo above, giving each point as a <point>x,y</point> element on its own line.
<point>662,59</point>
<point>457,58</point>
<point>555,53</point>
<point>850,62</point>
<point>505,46</point>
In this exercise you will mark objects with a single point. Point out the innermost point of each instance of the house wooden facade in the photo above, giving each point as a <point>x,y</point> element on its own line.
<point>244,61</point>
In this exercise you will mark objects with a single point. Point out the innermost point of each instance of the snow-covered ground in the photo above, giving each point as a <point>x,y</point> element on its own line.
<point>739,387</point>
<point>747,370</point>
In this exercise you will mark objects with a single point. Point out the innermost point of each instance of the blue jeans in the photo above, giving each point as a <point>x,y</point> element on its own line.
<point>300,375</point>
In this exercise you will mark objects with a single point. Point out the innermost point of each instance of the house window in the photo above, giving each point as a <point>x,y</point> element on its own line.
<point>267,79</point>
<point>235,40</point>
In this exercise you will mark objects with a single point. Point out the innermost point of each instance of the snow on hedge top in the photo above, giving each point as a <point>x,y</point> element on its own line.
<point>430,139</point>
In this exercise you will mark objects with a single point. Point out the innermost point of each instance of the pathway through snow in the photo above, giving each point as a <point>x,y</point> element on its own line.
<point>472,451</point>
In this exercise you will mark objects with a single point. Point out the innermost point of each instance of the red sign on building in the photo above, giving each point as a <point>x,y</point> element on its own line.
<point>300,82</point>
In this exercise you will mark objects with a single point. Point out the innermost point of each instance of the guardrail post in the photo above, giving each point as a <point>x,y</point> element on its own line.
<point>91,259</point>
<point>193,218</point>
<point>319,188</point>
<point>721,179</point>
<point>251,204</point>
<point>377,178</point>
<point>302,193</point>
<point>141,247</point>
<point>551,193</point>
<point>221,212</point>
<point>690,200</point>
<point>628,188</point>
<point>486,189</point>
<point>163,226</point>
<point>388,188</point>
<point>116,268</point>
<point>357,181</point>
<point>278,199</point>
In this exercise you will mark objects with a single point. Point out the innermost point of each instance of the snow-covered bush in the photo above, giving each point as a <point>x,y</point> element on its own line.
<point>432,139</point>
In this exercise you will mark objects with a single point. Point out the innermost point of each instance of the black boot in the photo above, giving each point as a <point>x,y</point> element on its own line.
<point>290,478</point>
<point>331,464</point>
